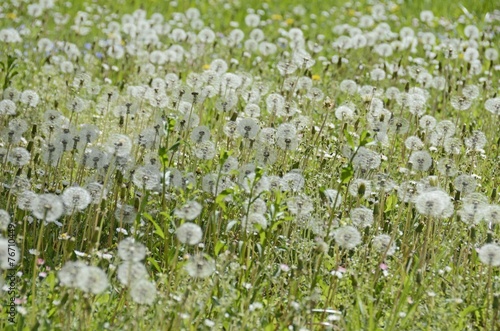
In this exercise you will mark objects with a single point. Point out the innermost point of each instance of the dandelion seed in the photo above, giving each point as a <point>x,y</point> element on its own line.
<point>414,143</point>
<point>200,266</point>
<point>432,203</point>
<point>205,150</point>
<point>253,219</point>
<point>119,145</point>
<point>92,280</point>
<point>362,217</point>
<point>189,211</point>
<point>143,292</point>
<point>491,214</point>
<point>126,214</point>
<point>489,254</point>
<point>465,184</point>
<point>381,244</point>
<point>421,160</point>
<point>68,275</point>
<point>300,205</point>
<point>189,233</point>
<point>76,198</point>
<point>493,105</point>
<point>26,200</point>
<point>131,250</point>
<point>130,272</point>
<point>48,207</point>
<point>200,134</point>
<point>447,167</point>
<point>146,177</point>
<point>476,141</point>
<point>19,156</point>
<point>347,237</point>
<point>248,128</point>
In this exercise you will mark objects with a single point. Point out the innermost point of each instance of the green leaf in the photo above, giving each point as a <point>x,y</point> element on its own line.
<point>175,146</point>
<point>365,138</point>
<point>219,246</point>
<point>347,173</point>
<point>154,263</point>
<point>162,153</point>
<point>158,229</point>
<point>220,198</point>
<point>349,139</point>
<point>390,203</point>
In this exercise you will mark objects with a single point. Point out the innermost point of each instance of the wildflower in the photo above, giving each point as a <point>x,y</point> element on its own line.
<point>489,254</point>
<point>119,145</point>
<point>189,233</point>
<point>447,167</point>
<point>200,134</point>
<point>26,200</point>
<point>76,198</point>
<point>131,250</point>
<point>465,184</point>
<point>414,143</point>
<point>381,244</point>
<point>253,219</point>
<point>143,292</point>
<point>445,128</point>
<point>200,266</point>
<point>146,177</point>
<point>300,205</point>
<point>96,191</point>
<point>68,275</point>
<point>292,181</point>
<point>248,128</point>
<point>476,141</point>
<point>267,136</point>
<point>453,146</point>
<point>252,110</point>
<point>19,156</point>
<point>347,237</point>
<point>491,214</point>
<point>92,279</point>
<point>360,188</point>
<point>344,113</point>
<point>362,217</point>
<point>189,211</point>
<point>29,98</point>
<point>421,160</point>
<point>48,207</point>
<point>460,102</point>
<point>205,150</point>
<point>493,105</point>
<point>432,203</point>
<point>131,271</point>
<point>4,220</point>
<point>7,107</point>
<point>366,159</point>
<point>266,155</point>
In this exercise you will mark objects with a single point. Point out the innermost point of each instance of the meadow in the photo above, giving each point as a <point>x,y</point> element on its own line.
<point>249,165</point>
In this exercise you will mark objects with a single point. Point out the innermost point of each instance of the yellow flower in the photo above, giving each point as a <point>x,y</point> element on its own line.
<point>289,21</point>
<point>351,12</point>
<point>394,8</point>
<point>276,17</point>
<point>206,66</point>
<point>461,56</point>
<point>316,77</point>
<point>11,16</point>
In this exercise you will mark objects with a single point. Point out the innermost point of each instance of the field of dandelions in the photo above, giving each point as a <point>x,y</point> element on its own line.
<point>249,166</point>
